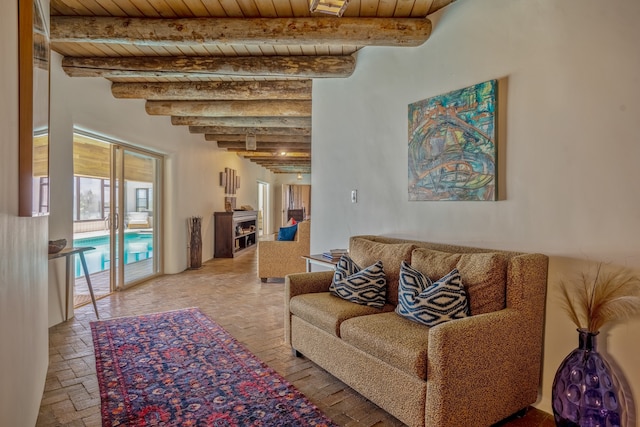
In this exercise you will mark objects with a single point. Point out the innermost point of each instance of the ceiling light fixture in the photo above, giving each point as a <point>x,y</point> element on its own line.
<point>284,153</point>
<point>250,142</point>
<point>332,7</point>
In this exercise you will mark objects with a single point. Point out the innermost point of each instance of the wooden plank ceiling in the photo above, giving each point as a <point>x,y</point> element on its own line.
<point>228,68</point>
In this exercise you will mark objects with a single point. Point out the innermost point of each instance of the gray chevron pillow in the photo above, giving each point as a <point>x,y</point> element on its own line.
<point>431,303</point>
<point>366,286</point>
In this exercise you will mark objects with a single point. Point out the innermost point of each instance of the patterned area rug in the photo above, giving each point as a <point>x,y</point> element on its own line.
<point>180,368</point>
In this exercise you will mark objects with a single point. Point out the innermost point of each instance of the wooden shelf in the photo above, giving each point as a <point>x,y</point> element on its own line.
<point>227,240</point>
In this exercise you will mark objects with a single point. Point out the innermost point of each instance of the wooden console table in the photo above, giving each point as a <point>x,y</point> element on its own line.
<point>68,253</point>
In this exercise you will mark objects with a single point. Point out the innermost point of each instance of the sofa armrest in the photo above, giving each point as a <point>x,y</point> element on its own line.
<point>279,258</point>
<point>302,283</point>
<point>307,283</point>
<point>484,364</point>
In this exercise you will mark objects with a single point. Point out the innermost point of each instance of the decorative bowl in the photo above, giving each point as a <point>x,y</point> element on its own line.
<point>56,246</point>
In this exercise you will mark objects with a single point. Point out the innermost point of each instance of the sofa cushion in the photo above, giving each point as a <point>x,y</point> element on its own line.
<point>287,234</point>
<point>367,286</point>
<point>327,311</point>
<point>366,252</point>
<point>392,339</point>
<point>431,303</point>
<point>484,275</point>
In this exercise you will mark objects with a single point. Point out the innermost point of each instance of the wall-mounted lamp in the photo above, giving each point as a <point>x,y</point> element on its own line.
<point>299,175</point>
<point>250,142</point>
<point>332,7</point>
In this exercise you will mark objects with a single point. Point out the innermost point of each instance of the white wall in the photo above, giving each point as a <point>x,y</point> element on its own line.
<point>571,145</point>
<point>24,348</point>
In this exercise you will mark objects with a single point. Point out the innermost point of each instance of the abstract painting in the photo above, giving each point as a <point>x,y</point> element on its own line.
<point>452,145</point>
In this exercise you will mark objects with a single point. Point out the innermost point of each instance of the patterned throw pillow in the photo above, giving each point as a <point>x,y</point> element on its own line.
<point>363,286</point>
<point>429,303</point>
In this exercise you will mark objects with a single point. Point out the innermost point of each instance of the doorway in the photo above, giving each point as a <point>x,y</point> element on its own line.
<point>117,192</point>
<point>296,202</point>
<point>263,208</point>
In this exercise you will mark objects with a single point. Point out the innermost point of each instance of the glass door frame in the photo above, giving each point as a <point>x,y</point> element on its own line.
<point>117,224</point>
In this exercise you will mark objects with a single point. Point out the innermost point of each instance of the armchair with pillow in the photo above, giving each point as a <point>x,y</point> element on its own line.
<point>280,257</point>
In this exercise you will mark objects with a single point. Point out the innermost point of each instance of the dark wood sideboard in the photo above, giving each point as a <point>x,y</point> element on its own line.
<point>234,232</point>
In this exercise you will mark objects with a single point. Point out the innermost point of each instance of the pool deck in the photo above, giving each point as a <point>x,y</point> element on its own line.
<point>100,281</point>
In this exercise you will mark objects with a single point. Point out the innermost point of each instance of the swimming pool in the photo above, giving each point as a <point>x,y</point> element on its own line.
<point>138,246</point>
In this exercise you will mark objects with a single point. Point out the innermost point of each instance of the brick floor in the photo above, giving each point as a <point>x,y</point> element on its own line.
<point>229,292</point>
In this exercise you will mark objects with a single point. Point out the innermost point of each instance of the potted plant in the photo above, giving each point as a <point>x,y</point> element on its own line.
<point>585,390</point>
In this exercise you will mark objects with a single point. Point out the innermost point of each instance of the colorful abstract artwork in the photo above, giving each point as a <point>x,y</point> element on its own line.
<point>452,145</point>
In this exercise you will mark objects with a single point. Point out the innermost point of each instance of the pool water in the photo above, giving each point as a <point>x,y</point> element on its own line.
<point>138,246</point>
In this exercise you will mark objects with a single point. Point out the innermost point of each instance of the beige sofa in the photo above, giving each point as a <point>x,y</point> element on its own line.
<point>473,371</point>
<point>276,258</point>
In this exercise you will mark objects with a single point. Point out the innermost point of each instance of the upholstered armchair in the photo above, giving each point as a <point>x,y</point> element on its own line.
<point>278,258</point>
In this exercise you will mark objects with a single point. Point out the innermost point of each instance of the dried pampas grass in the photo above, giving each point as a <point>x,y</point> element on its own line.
<point>608,297</point>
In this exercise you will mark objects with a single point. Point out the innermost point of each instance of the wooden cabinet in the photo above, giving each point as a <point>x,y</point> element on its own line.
<point>234,231</point>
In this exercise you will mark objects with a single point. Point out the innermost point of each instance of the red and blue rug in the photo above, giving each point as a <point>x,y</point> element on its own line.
<point>180,368</point>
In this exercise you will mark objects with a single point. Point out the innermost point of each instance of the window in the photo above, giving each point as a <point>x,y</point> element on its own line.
<point>142,199</point>
<point>44,194</point>
<point>89,201</point>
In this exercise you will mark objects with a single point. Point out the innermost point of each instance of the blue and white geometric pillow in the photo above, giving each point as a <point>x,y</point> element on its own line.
<point>366,286</point>
<point>421,300</point>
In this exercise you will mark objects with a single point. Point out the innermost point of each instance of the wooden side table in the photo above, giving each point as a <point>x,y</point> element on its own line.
<point>319,259</point>
<point>68,253</point>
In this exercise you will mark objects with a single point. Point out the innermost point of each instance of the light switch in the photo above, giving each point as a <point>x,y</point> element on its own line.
<point>354,196</point>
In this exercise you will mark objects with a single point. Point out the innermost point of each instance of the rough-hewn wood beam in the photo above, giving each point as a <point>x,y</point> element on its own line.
<point>254,31</point>
<point>259,108</point>
<point>283,139</point>
<point>270,150</point>
<point>206,67</point>
<point>260,133</point>
<point>276,162</point>
<point>301,147</point>
<point>288,156</point>
<point>243,122</point>
<point>220,90</point>
<point>290,170</point>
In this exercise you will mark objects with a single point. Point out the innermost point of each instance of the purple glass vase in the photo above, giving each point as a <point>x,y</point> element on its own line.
<point>586,392</point>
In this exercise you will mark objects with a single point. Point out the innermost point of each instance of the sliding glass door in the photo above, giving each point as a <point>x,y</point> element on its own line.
<point>135,230</point>
<point>117,192</point>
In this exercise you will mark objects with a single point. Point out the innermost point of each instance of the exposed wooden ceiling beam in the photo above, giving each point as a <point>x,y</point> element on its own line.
<point>207,67</point>
<point>270,150</point>
<point>258,108</point>
<point>270,158</point>
<point>301,147</point>
<point>220,90</point>
<point>276,162</point>
<point>294,170</point>
<point>245,122</point>
<point>288,156</point>
<point>290,169</point>
<point>253,31</point>
<point>303,139</point>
